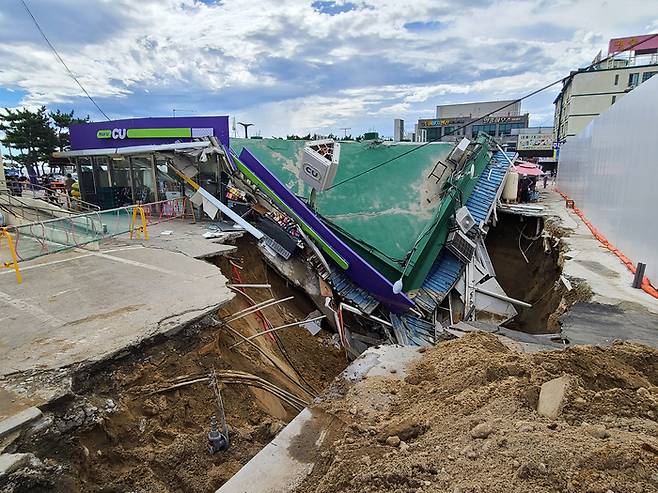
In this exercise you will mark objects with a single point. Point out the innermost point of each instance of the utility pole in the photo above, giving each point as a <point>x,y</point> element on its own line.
<point>246,126</point>
<point>345,129</point>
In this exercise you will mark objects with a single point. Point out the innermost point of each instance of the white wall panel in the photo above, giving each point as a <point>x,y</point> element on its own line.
<point>610,170</point>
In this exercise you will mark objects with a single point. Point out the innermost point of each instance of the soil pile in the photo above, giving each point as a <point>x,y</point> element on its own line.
<point>464,420</point>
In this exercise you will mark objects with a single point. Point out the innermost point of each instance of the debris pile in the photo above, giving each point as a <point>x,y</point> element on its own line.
<point>464,419</point>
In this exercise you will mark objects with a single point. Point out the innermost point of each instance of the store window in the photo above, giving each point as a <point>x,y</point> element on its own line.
<point>488,129</point>
<point>633,79</point>
<point>647,75</point>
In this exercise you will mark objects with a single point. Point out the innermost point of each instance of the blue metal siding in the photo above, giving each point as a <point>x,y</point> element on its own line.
<point>413,331</point>
<point>481,201</point>
<point>444,274</point>
<point>347,289</point>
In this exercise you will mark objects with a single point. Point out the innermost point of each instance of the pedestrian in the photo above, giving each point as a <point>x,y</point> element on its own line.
<point>68,184</point>
<point>545,179</point>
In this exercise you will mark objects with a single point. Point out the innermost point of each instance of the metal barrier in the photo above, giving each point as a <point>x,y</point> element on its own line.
<point>52,196</point>
<point>54,235</point>
<point>12,252</point>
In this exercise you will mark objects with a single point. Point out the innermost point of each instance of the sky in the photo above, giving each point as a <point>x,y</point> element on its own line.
<point>293,66</point>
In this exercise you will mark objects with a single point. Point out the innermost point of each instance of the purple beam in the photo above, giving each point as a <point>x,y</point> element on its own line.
<point>361,272</point>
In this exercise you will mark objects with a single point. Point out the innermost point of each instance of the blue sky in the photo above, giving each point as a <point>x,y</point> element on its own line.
<point>303,66</point>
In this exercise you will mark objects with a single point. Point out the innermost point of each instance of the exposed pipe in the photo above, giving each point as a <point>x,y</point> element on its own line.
<point>274,329</point>
<point>503,297</point>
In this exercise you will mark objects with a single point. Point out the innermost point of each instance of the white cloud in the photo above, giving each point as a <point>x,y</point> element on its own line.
<point>293,69</point>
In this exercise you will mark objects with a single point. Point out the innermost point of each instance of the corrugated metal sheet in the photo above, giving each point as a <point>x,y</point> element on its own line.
<point>444,274</point>
<point>413,331</point>
<point>447,268</point>
<point>481,201</point>
<point>350,291</point>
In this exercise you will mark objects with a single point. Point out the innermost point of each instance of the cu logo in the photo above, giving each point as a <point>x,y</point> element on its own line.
<point>311,171</point>
<point>119,133</point>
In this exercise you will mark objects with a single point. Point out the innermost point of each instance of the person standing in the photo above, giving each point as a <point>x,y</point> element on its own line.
<point>68,184</point>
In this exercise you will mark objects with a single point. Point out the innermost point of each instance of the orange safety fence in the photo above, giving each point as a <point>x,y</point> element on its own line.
<point>646,283</point>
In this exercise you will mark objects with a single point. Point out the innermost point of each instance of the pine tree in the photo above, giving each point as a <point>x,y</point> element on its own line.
<point>29,137</point>
<point>62,122</point>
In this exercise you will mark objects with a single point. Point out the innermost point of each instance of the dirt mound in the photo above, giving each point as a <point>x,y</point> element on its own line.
<point>464,420</point>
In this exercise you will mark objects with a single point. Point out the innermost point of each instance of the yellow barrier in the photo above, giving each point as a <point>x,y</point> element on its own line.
<point>142,228</point>
<point>14,263</point>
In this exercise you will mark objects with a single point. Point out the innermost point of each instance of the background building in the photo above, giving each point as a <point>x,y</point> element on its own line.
<point>398,130</point>
<point>587,93</point>
<point>475,110</point>
<point>449,118</point>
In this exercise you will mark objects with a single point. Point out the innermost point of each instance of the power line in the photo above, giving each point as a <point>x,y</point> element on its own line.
<point>62,61</point>
<point>533,93</point>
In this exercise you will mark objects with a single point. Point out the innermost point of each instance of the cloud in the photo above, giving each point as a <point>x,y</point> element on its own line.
<point>292,66</point>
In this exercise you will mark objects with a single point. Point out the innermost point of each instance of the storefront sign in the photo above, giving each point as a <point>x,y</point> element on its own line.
<point>441,122</point>
<point>535,142</point>
<point>147,131</point>
<point>503,119</point>
<point>634,43</point>
<point>154,133</point>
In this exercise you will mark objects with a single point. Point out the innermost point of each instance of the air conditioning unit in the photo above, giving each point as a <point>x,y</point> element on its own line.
<point>464,219</point>
<point>319,163</point>
<point>460,245</point>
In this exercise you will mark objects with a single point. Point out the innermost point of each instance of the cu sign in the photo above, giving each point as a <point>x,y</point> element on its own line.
<point>311,171</point>
<point>118,133</point>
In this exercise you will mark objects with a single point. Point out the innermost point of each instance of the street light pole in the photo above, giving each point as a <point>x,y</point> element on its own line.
<point>245,126</point>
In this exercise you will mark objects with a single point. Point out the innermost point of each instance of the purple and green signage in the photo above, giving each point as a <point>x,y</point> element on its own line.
<point>147,131</point>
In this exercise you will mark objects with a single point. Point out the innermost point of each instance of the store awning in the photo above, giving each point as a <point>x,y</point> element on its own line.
<point>146,149</point>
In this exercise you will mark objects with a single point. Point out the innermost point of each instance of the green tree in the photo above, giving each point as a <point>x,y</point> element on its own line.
<point>29,138</point>
<point>63,121</point>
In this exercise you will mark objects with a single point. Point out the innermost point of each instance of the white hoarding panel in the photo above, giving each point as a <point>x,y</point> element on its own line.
<point>610,170</point>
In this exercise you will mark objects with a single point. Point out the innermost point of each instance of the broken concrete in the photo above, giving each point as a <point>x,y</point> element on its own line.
<point>616,310</point>
<point>13,462</point>
<point>552,396</point>
<point>131,292</point>
<point>18,420</point>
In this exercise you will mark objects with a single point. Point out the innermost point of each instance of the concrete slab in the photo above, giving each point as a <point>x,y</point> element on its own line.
<point>291,456</point>
<point>587,259</point>
<point>616,310</point>
<point>186,238</point>
<point>74,308</point>
<point>18,420</point>
<point>13,462</point>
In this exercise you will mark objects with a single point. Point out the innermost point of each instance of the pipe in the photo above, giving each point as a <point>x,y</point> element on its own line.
<point>293,324</point>
<point>352,309</point>
<point>255,309</point>
<point>503,297</point>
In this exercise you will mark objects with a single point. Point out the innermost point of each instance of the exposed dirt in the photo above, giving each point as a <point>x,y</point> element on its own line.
<point>464,421</point>
<point>113,437</point>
